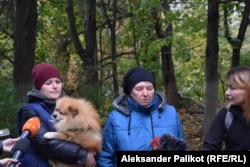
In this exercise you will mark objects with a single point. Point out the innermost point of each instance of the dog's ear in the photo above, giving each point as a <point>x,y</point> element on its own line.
<point>73,110</point>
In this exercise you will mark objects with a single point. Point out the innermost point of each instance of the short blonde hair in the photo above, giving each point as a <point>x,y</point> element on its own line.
<point>239,77</point>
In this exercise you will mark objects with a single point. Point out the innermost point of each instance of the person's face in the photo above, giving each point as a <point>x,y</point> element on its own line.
<point>235,96</point>
<point>143,93</point>
<point>52,88</point>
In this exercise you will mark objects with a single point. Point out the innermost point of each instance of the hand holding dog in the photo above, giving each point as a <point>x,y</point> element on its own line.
<point>90,160</point>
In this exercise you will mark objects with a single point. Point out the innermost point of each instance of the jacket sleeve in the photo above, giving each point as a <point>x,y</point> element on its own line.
<point>172,114</point>
<point>216,134</point>
<point>107,157</point>
<point>61,150</point>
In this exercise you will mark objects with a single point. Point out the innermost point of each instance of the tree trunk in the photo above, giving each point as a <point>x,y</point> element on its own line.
<point>90,59</point>
<point>24,46</point>
<point>167,60</point>
<point>113,48</point>
<point>211,65</point>
<point>169,76</point>
<point>74,34</point>
<point>236,43</point>
<point>241,34</point>
<point>111,22</point>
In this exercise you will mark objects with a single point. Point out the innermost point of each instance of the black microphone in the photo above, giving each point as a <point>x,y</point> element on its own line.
<point>20,148</point>
<point>30,129</point>
<point>168,142</point>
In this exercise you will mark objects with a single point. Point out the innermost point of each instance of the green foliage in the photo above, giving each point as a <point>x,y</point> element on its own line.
<point>6,70</point>
<point>245,59</point>
<point>8,107</point>
<point>136,44</point>
<point>100,97</point>
<point>52,29</point>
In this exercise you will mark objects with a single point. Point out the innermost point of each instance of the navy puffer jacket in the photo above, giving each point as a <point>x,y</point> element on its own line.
<point>43,149</point>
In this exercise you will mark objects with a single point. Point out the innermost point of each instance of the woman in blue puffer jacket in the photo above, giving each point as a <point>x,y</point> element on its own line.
<point>140,115</point>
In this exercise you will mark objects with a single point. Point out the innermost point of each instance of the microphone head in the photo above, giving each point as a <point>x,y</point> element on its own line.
<point>169,142</point>
<point>32,125</point>
<point>22,145</point>
<point>155,143</point>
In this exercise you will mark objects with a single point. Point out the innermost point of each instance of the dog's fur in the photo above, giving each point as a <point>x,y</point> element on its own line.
<point>76,120</point>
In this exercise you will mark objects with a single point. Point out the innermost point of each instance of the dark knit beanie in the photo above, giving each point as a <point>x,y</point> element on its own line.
<point>42,72</point>
<point>135,75</point>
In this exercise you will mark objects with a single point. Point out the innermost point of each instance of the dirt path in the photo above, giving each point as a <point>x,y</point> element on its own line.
<point>191,125</point>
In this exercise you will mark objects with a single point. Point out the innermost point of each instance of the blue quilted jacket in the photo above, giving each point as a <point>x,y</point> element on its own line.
<point>132,127</point>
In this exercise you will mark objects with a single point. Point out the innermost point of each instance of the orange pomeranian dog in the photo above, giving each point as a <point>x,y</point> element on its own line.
<point>76,120</point>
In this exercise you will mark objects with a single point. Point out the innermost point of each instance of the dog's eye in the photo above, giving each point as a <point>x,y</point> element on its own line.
<point>57,110</point>
<point>62,113</point>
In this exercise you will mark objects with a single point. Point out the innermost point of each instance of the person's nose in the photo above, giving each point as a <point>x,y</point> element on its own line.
<point>55,85</point>
<point>145,92</point>
<point>227,92</point>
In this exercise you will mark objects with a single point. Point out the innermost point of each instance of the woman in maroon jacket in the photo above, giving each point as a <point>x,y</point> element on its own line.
<point>236,136</point>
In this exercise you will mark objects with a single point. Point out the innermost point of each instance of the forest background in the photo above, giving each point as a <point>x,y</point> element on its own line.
<point>188,45</point>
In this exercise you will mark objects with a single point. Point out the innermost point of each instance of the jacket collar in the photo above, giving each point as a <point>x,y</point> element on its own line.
<point>121,103</point>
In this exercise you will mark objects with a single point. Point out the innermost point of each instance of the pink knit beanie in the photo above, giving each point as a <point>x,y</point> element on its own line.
<point>42,72</point>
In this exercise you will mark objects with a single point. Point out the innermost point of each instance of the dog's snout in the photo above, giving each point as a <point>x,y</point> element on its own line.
<point>54,116</point>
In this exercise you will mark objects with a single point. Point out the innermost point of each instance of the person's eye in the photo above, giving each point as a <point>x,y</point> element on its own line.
<point>138,89</point>
<point>58,81</point>
<point>150,88</point>
<point>231,87</point>
<point>47,83</point>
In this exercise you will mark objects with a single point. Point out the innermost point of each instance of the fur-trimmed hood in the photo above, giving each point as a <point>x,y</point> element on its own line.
<point>121,103</point>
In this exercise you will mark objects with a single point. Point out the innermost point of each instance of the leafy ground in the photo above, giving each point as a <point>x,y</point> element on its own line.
<point>192,123</point>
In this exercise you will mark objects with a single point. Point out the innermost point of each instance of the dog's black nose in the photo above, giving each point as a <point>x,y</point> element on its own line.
<point>54,116</point>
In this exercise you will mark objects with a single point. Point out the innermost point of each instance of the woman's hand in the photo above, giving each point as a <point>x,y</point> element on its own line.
<point>9,143</point>
<point>6,162</point>
<point>90,160</point>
